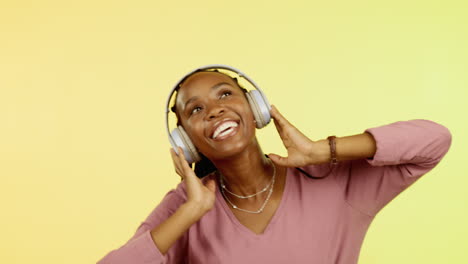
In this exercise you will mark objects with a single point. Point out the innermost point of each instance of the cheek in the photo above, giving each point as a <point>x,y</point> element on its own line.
<point>194,130</point>
<point>247,114</point>
<point>248,121</point>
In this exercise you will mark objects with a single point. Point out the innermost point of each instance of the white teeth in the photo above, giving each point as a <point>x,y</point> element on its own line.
<point>225,132</point>
<point>224,126</point>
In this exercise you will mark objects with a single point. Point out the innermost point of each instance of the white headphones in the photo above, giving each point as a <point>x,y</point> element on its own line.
<point>256,98</point>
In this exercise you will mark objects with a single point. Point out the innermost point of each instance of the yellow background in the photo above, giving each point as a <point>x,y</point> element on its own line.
<point>84,155</point>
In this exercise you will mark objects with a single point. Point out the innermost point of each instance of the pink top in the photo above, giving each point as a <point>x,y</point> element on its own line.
<point>317,221</point>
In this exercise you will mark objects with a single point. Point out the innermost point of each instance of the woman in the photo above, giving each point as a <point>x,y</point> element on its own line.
<point>259,209</point>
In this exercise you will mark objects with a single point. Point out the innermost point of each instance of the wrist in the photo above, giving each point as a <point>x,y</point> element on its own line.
<point>320,152</point>
<point>193,209</point>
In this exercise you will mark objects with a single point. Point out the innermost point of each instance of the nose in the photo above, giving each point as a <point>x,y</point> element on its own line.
<point>215,111</point>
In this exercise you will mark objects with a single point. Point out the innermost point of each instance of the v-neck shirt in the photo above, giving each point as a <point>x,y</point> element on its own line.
<point>242,228</point>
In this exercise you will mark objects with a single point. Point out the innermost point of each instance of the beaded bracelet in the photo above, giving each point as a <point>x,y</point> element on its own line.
<point>332,143</point>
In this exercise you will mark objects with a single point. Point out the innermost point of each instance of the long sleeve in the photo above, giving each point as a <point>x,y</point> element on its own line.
<point>406,150</point>
<point>141,249</point>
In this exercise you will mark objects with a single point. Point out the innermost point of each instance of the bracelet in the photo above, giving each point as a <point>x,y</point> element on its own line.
<point>332,143</point>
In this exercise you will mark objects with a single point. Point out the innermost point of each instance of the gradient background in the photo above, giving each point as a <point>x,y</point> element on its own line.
<point>84,156</point>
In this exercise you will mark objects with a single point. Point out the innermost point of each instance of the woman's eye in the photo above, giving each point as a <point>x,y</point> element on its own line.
<point>195,109</point>
<point>227,93</point>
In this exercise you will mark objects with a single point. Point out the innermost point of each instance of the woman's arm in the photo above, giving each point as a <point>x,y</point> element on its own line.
<point>405,151</point>
<point>161,238</point>
<point>358,146</point>
<point>302,151</point>
<point>200,199</point>
<point>375,166</point>
<point>148,244</point>
<point>169,231</point>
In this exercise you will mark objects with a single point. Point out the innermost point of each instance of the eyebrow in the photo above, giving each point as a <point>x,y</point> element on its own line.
<point>216,86</point>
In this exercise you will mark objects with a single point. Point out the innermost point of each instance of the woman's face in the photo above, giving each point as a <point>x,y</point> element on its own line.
<point>215,114</point>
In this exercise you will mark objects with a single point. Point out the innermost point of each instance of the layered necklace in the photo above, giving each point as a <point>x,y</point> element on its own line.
<point>269,187</point>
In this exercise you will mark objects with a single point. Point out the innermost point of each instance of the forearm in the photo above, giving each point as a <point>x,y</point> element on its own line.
<point>358,146</point>
<point>169,231</point>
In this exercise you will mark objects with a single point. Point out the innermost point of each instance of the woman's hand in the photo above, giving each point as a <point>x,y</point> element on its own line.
<point>301,150</point>
<point>199,195</point>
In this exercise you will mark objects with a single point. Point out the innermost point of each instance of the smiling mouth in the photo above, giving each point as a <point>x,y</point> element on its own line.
<point>225,130</point>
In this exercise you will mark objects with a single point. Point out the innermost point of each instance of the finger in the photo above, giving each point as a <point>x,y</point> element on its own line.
<point>279,128</point>
<point>174,156</point>
<point>276,121</point>
<point>211,185</point>
<point>184,166</point>
<point>282,122</point>
<point>282,161</point>
<point>175,161</point>
<point>181,157</point>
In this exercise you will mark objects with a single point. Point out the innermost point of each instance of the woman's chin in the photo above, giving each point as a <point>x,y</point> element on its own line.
<point>229,150</point>
<point>230,146</point>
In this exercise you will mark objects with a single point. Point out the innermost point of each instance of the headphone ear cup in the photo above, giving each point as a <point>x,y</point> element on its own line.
<point>181,139</point>
<point>254,108</point>
<point>260,108</point>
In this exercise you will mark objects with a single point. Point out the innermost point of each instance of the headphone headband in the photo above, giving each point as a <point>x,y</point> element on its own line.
<point>206,67</point>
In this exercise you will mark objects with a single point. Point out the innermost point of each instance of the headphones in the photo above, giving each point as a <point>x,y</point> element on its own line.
<point>256,98</point>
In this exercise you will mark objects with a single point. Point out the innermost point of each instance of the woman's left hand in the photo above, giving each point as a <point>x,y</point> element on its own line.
<point>301,150</point>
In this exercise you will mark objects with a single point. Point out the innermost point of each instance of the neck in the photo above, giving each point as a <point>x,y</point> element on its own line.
<point>246,173</point>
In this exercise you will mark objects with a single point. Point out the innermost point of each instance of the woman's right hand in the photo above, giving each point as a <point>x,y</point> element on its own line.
<point>199,195</point>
